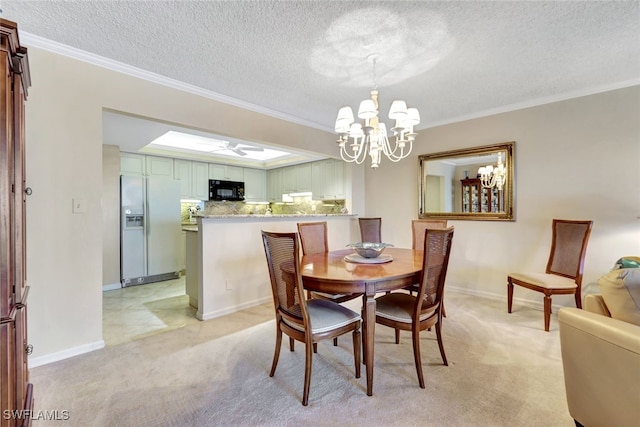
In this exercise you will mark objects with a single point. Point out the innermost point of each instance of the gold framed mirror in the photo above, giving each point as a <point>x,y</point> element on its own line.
<point>470,184</point>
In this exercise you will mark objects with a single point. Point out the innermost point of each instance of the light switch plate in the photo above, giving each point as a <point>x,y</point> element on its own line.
<point>79,206</point>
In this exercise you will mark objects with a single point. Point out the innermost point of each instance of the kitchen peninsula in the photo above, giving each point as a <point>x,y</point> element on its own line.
<point>226,269</point>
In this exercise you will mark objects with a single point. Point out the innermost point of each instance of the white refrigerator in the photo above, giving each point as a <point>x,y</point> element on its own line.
<point>149,229</point>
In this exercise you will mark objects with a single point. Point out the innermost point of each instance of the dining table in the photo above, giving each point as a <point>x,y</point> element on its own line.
<point>335,272</point>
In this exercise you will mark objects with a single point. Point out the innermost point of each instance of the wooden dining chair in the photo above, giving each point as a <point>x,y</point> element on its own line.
<point>418,226</point>
<point>314,240</point>
<point>370,229</point>
<point>306,321</point>
<point>563,275</point>
<point>407,312</point>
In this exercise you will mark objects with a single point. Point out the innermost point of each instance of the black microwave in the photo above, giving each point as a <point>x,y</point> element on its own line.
<point>226,190</point>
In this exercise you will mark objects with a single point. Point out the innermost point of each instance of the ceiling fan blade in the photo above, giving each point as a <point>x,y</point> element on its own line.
<point>251,148</point>
<point>238,151</point>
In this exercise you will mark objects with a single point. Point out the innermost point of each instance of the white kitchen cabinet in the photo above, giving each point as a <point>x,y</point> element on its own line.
<point>318,179</point>
<point>296,179</point>
<point>255,185</point>
<point>289,178</point>
<point>182,171</point>
<point>159,166</point>
<point>226,172</point>
<point>274,185</point>
<point>328,180</point>
<point>338,185</point>
<point>132,164</point>
<point>303,177</point>
<point>200,180</point>
<point>194,179</point>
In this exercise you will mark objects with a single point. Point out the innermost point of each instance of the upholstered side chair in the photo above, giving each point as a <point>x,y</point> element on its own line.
<point>563,275</point>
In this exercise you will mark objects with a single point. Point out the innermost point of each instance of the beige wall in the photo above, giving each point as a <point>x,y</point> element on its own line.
<point>64,161</point>
<point>110,203</point>
<point>574,159</point>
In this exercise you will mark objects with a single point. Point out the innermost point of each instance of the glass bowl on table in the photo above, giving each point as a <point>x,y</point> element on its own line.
<point>368,249</point>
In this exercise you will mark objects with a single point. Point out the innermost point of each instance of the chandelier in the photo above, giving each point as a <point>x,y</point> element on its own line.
<point>356,140</point>
<point>491,176</point>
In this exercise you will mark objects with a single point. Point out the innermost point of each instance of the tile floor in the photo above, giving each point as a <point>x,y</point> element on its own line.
<point>138,311</point>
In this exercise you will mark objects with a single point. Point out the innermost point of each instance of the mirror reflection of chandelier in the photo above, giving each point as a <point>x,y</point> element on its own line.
<point>491,176</point>
<point>356,140</point>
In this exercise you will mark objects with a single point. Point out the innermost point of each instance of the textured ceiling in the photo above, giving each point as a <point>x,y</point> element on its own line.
<point>302,60</point>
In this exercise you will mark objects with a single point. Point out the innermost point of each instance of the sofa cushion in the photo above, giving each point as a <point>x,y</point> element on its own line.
<point>621,292</point>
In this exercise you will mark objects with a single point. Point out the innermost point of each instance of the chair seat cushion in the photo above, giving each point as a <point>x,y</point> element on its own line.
<point>621,293</point>
<point>549,281</point>
<point>399,307</point>
<point>327,315</point>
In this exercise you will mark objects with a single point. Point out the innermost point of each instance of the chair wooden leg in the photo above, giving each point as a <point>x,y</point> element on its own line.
<point>315,347</point>
<point>578,299</point>
<point>335,342</point>
<point>276,354</point>
<point>440,344</point>
<point>307,373</point>
<point>356,350</point>
<point>509,296</point>
<point>397,336</point>
<point>547,312</point>
<point>291,343</point>
<point>416,354</point>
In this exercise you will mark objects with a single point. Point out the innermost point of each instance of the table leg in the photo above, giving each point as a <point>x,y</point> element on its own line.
<point>370,320</point>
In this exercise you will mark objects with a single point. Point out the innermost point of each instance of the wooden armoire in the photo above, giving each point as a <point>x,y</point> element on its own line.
<point>16,393</point>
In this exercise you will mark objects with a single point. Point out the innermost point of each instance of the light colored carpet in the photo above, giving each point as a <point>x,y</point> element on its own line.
<point>504,370</point>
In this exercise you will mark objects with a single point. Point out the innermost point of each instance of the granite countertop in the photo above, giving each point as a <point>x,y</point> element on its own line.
<point>278,216</point>
<point>194,227</point>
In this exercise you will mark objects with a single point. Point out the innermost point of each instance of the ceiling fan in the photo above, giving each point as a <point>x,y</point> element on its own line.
<point>237,148</point>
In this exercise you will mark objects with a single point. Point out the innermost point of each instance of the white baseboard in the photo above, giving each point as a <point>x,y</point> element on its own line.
<point>539,305</point>
<point>229,310</point>
<point>65,354</point>
<point>111,286</point>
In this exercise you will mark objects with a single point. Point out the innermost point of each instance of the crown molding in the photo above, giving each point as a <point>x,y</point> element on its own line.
<point>33,40</point>
<point>81,55</point>
<point>536,102</point>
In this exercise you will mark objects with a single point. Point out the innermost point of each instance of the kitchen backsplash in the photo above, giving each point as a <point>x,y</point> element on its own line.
<point>300,205</point>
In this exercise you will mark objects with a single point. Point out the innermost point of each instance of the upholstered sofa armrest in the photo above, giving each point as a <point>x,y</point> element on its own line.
<point>601,361</point>
<point>596,304</point>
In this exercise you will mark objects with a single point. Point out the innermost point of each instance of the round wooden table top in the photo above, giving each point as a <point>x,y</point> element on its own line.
<point>330,272</point>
